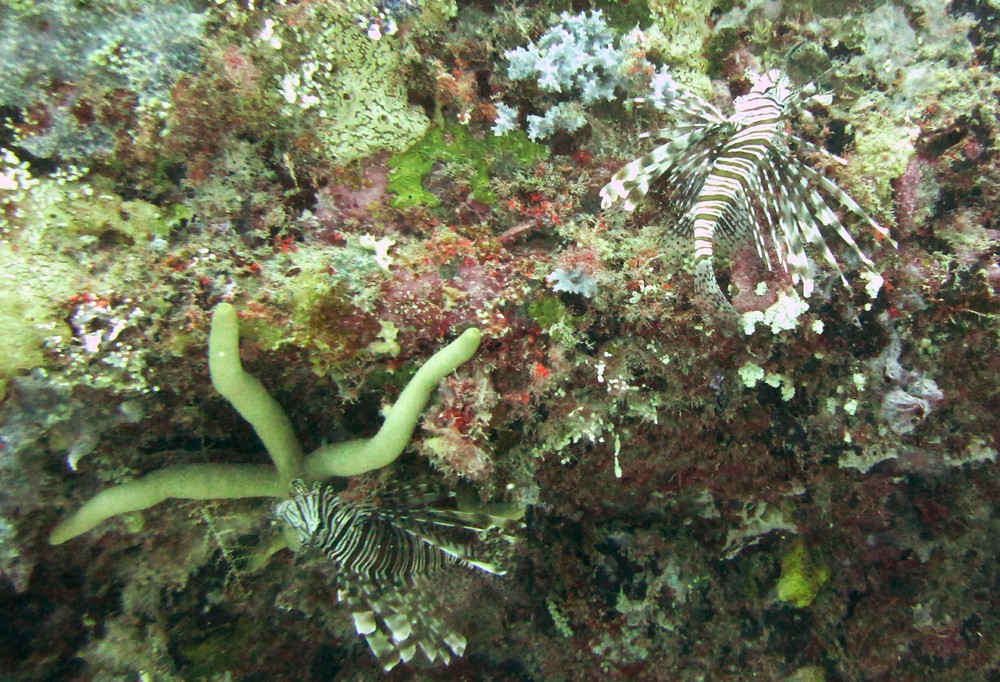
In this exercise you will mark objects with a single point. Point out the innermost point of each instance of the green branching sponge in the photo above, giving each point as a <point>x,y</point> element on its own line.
<point>188,482</point>
<point>358,456</point>
<point>255,404</point>
<point>249,397</point>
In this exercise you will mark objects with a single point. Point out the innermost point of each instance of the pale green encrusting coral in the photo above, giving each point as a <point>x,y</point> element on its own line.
<point>255,404</point>
<point>680,31</point>
<point>348,89</point>
<point>51,225</point>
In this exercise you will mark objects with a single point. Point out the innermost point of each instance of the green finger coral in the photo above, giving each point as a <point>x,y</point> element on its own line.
<point>255,404</point>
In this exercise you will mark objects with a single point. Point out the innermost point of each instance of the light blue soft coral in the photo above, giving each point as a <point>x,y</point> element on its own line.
<point>576,58</point>
<point>575,281</point>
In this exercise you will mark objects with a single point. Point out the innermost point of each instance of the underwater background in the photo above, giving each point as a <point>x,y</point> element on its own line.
<point>732,411</point>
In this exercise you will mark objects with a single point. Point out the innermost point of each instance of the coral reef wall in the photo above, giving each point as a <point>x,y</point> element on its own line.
<point>812,495</point>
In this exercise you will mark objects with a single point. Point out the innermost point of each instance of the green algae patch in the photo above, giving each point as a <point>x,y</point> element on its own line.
<point>547,311</point>
<point>803,575</point>
<point>467,159</point>
<point>81,209</point>
<point>624,16</point>
<point>882,153</point>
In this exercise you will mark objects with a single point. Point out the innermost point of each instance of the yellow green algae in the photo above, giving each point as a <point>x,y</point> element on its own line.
<point>803,574</point>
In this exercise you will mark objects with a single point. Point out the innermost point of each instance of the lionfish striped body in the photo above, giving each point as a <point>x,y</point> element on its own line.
<point>388,551</point>
<point>734,175</point>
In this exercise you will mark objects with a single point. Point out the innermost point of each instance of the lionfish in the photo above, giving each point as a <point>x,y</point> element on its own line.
<point>389,552</point>
<point>730,176</point>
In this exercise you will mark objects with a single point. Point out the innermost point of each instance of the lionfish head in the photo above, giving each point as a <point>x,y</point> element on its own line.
<point>299,518</point>
<point>774,84</point>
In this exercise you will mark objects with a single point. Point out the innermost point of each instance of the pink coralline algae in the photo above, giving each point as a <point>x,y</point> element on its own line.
<point>908,195</point>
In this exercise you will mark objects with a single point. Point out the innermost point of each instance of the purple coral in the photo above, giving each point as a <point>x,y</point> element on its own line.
<point>903,411</point>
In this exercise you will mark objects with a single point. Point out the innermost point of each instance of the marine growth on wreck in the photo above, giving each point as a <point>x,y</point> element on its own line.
<point>416,340</point>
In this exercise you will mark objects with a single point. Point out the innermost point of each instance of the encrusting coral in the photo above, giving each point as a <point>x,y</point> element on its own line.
<point>255,404</point>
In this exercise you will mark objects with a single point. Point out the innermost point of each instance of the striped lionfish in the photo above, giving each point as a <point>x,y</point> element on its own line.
<point>734,175</point>
<point>390,551</point>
